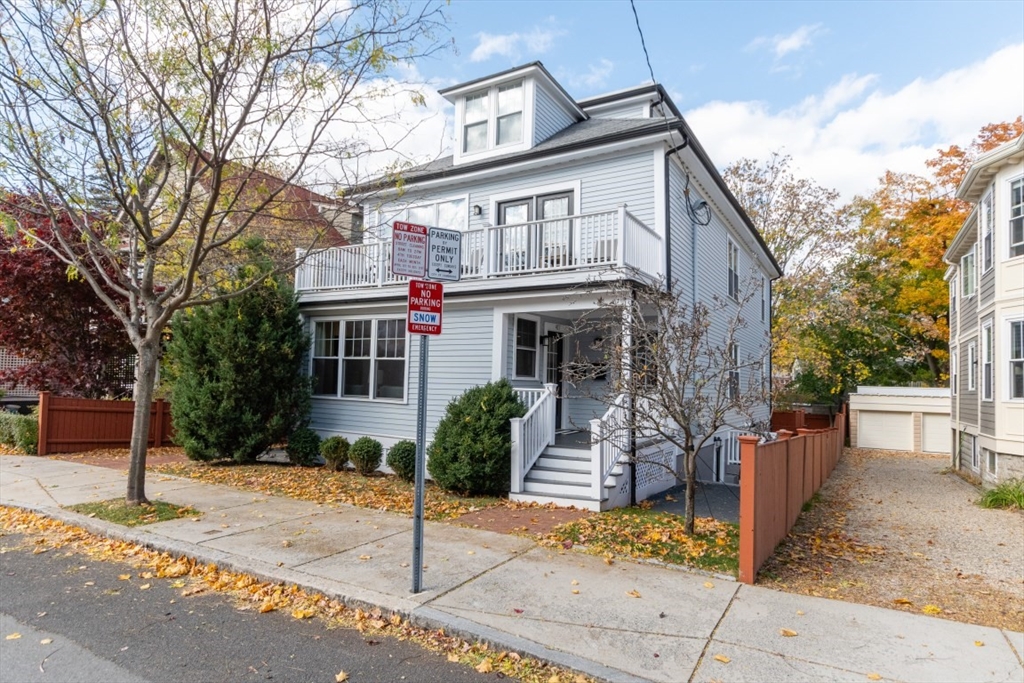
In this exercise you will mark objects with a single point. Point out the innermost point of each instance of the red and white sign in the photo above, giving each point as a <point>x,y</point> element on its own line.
<point>426,299</point>
<point>409,249</point>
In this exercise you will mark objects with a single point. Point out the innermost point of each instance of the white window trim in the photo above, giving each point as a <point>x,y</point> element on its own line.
<point>988,369</point>
<point>537,191</point>
<point>537,348</point>
<point>973,282</point>
<point>732,275</point>
<point>734,377</point>
<point>972,364</point>
<point>1007,341</point>
<point>987,221</point>
<point>388,214</point>
<point>373,358</point>
<point>529,99</point>
<point>954,374</point>
<point>764,299</point>
<point>987,455</point>
<point>954,282</point>
<point>1009,193</point>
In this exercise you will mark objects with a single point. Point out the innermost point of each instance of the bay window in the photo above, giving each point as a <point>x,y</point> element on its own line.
<point>359,358</point>
<point>988,224</point>
<point>1017,218</point>
<point>968,277</point>
<point>1016,359</point>
<point>987,352</point>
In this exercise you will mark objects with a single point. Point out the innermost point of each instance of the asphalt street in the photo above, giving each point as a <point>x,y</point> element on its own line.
<point>108,630</point>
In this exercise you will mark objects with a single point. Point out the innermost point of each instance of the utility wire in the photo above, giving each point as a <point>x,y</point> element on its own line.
<point>643,43</point>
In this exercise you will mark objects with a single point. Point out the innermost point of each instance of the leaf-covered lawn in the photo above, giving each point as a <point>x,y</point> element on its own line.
<point>119,512</point>
<point>317,484</point>
<point>645,534</point>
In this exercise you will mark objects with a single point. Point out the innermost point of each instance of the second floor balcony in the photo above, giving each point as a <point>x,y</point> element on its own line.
<point>606,240</point>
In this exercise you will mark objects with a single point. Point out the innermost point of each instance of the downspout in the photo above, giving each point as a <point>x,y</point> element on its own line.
<point>668,212</point>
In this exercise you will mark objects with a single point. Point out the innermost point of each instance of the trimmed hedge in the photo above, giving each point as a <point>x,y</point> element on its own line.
<point>20,431</point>
<point>303,447</point>
<point>366,454</point>
<point>472,448</point>
<point>334,450</point>
<point>402,459</point>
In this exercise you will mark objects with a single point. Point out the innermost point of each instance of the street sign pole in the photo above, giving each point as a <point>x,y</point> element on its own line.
<point>421,461</point>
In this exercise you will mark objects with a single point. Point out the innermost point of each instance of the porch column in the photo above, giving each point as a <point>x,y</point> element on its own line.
<point>516,485</point>
<point>551,412</point>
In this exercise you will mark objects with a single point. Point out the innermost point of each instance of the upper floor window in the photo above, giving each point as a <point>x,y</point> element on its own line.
<point>1016,359</point>
<point>952,294</point>
<point>474,132</point>
<point>987,352</point>
<point>493,118</point>
<point>988,224</point>
<point>968,276</point>
<point>953,374</point>
<point>1017,218</point>
<point>734,270</point>
<point>764,298</point>
<point>450,214</point>
<point>734,371</point>
<point>972,367</point>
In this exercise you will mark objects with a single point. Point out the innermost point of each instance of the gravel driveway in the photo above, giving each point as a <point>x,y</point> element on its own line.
<point>896,529</point>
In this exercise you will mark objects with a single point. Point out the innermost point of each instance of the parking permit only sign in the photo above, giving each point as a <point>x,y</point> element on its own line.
<point>426,299</point>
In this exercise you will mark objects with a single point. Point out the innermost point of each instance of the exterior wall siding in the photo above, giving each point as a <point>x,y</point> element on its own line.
<point>549,116</point>
<point>968,313</point>
<point>987,288</point>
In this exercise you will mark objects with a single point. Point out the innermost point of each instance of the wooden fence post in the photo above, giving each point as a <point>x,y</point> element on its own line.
<point>748,507</point>
<point>44,423</point>
<point>158,431</point>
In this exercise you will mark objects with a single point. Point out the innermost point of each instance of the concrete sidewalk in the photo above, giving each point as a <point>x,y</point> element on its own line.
<point>515,595</point>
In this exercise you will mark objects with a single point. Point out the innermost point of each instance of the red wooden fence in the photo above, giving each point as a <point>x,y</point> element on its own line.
<point>778,478</point>
<point>70,425</point>
<point>792,420</point>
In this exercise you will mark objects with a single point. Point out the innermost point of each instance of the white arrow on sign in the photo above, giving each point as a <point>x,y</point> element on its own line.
<point>444,254</point>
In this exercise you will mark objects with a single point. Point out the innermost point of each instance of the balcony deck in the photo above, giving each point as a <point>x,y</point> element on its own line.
<point>609,240</point>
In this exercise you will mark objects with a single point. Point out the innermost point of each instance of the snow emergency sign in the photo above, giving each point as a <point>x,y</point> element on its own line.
<point>426,299</point>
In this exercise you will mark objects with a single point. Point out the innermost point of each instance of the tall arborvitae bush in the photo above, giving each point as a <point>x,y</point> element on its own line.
<point>472,447</point>
<point>235,369</point>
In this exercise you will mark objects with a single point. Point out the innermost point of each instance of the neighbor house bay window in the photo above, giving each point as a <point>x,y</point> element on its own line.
<point>988,224</point>
<point>1017,218</point>
<point>359,358</point>
<point>1017,359</point>
<point>987,370</point>
<point>968,276</point>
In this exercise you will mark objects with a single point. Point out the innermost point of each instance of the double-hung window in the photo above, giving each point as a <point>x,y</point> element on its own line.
<point>954,374</point>
<point>1017,218</point>
<point>527,343</point>
<point>734,270</point>
<point>493,118</point>
<point>952,295</point>
<point>1016,354</point>
<point>764,298</point>
<point>988,225</point>
<point>734,371</point>
<point>968,276</point>
<point>972,367</point>
<point>987,371</point>
<point>359,358</point>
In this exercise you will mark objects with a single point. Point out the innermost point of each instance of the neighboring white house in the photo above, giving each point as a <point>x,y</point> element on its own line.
<point>900,419</point>
<point>986,311</point>
<point>550,193</point>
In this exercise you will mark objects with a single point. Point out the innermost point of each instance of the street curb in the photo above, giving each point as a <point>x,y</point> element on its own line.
<point>422,616</point>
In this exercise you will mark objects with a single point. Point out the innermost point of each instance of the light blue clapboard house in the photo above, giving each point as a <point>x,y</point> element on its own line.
<point>549,192</point>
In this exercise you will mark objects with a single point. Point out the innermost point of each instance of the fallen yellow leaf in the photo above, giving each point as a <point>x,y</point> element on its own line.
<point>124,577</point>
<point>13,636</point>
<point>46,641</point>
<point>633,593</point>
<point>931,609</point>
<point>341,677</point>
<point>574,582</point>
<point>979,643</point>
<point>471,552</point>
<point>144,587</point>
<point>180,583</point>
<point>575,591</point>
<point>789,633</point>
<point>874,677</point>
<point>902,601</point>
<point>286,544</point>
<point>365,557</point>
<point>485,666</point>
<point>722,658</point>
<point>708,584</point>
<point>452,657</point>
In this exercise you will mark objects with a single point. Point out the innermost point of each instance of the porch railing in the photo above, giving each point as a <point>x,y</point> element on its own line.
<point>597,240</point>
<point>531,434</point>
<point>609,443</point>
<point>530,396</point>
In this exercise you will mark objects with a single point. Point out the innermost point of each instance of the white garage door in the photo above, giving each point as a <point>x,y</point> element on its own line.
<point>935,433</point>
<point>892,431</point>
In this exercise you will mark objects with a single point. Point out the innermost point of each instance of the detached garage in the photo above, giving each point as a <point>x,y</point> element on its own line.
<point>900,419</point>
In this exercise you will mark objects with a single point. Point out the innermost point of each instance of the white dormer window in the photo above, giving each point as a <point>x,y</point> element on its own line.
<point>493,118</point>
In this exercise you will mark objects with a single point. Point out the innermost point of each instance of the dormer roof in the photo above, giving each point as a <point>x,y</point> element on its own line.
<point>535,69</point>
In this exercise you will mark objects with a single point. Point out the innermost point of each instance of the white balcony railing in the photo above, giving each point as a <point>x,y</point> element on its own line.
<point>600,240</point>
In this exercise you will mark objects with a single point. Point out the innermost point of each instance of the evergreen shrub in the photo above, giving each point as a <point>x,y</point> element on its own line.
<point>303,447</point>
<point>471,452</point>
<point>402,459</point>
<point>366,454</point>
<point>334,450</point>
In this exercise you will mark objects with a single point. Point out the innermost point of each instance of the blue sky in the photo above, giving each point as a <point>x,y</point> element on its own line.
<point>849,89</point>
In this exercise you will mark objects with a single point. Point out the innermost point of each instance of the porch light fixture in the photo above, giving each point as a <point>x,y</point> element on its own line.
<point>478,210</point>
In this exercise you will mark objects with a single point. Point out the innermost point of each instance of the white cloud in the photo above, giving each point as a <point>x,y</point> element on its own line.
<point>781,45</point>
<point>510,45</point>
<point>854,131</point>
<point>595,77</point>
